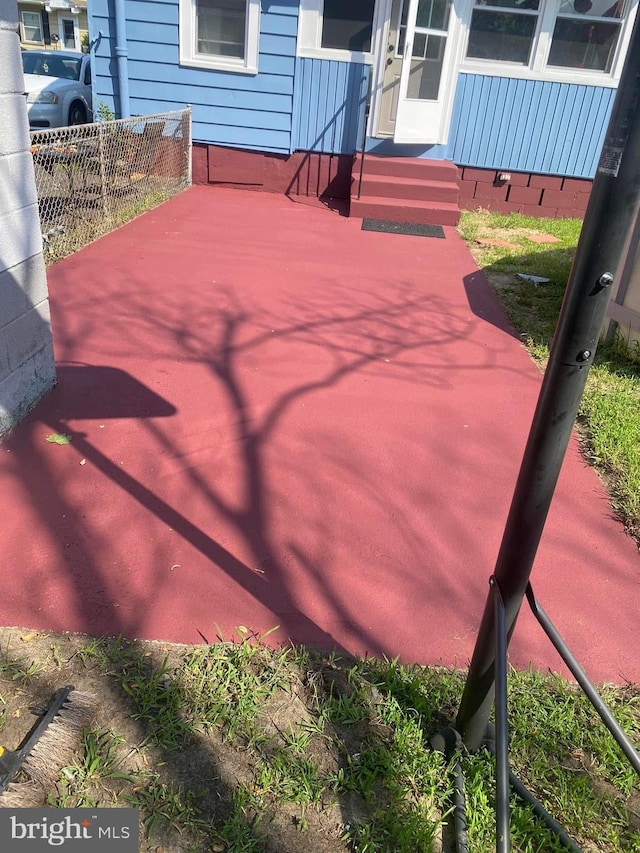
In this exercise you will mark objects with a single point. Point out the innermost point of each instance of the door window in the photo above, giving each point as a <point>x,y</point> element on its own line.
<point>427,56</point>
<point>347,26</point>
<point>337,29</point>
<point>68,34</point>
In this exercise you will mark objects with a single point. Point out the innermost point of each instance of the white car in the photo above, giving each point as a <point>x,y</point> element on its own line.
<point>58,88</point>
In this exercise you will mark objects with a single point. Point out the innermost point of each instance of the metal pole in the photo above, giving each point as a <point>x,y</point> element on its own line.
<point>633,757</point>
<point>187,127</point>
<point>122,54</point>
<point>503,837</point>
<point>367,109</point>
<point>599,257</point>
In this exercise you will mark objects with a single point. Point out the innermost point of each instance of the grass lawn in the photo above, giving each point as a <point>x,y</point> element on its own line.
<point>609,420</point>
<point>234,747</point>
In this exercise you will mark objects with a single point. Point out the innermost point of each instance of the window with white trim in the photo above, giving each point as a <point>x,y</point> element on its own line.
<point>586,34</point>
<point>578,40</point>
<point>31,27</point>
<point>220,34</point>
<point>336,29</point>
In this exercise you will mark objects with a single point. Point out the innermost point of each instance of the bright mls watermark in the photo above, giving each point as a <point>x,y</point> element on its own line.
<point>37,830</point>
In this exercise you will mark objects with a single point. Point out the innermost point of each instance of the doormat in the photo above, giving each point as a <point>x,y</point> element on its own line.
<point>415,229</point>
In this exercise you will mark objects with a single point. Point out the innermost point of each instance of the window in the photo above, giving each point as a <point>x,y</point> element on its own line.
<point>32,27</point>
<point>503,30</point>
<point>336,29</point>
<point>220,34</point>
<point>347,26</point>
<point>586,34</point>
<point>573,40</point>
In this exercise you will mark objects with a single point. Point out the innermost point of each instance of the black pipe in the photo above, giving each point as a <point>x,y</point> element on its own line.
<point>580,676</point>
<point>503,837</point>
<point>536,806</point>
<point>454,832</point>
<point>600,255</point>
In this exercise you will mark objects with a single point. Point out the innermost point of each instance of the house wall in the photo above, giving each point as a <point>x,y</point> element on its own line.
<point>523,192</point>
<point>528,125</point>
<point>329,105</point>
<point>533,128</point>
<point>304,173</point>
<point>53,17</point>
<point>27,368</point>
<point>239,110</point>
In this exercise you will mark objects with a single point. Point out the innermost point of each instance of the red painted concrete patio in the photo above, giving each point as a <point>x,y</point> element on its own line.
<point>280,419</point>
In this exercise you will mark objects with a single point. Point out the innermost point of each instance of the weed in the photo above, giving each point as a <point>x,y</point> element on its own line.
<point>241,829</point>
<point>20,670</point>
<point>609,417</point>
<point>81,782</point>
<point>166,805</point>
<point>355,741</point>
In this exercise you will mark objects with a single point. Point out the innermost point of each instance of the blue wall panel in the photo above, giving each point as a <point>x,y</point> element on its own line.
<point>243,110</point>
<point>329,103</point>
<point>306,104</point>
<point>528,125</point>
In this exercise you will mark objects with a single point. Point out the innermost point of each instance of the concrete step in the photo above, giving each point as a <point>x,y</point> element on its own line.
<point>405,210</point>
<point>414,189</point>
<point>406,167</point>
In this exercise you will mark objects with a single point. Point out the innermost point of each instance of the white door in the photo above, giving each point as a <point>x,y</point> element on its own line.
<point>427,74</point>
<point>68,32</point>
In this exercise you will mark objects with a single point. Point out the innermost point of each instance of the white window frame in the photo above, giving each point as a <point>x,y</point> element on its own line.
<point>538,68</point>
<point>24,36</point>
<point>310,35</point>
<point>190,57</point>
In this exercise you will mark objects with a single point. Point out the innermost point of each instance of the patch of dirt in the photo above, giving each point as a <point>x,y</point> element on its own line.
<point>207,770</point>
<point>543,238</point>
<point>490,243</point>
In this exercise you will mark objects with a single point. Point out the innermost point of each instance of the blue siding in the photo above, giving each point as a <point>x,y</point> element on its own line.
<point>528,125</point>
<point>306,104</point>
<point>248,111</point>
<point>329,103</point>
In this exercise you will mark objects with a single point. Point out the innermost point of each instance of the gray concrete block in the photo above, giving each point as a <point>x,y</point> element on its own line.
<point>8,15</point>
<point>20,236</point>
<point>31,275</point>
<point>22,389</point>
<point>12,79</point>
<point>28,334</point>
<point>17,184</point>
<point>14,123</point>
<point>44,366</point>
<point>13,300</point>
<point>13,108</point>
<point>21,288</point>
<point>16,391</point>
<point>4,356</point>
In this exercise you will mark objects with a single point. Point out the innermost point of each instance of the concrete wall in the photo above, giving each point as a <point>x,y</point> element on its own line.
<point>27,368</point>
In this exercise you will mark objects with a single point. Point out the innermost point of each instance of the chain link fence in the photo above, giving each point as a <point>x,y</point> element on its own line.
<point>92,178</point>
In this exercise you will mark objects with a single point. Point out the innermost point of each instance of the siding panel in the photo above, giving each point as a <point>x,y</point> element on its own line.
<point>329,99</point>
<point>248,111</point>
<point>528,125</point>
<point>230,84</point>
